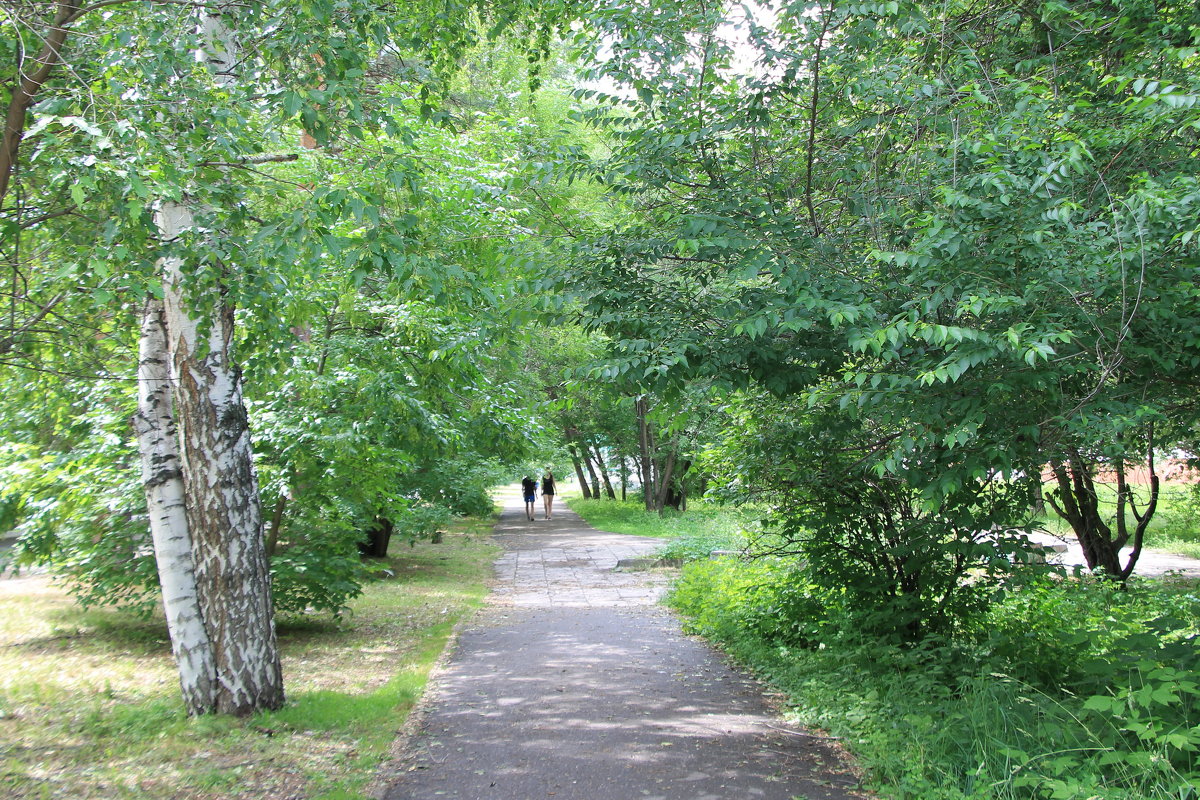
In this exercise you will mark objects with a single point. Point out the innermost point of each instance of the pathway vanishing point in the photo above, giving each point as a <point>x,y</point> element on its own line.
<point>575,684</point>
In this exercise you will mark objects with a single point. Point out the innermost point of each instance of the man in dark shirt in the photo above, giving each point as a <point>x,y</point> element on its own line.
<point>529,490</point>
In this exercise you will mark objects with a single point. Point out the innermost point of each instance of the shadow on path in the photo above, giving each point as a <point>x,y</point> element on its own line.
<point>574,684</point>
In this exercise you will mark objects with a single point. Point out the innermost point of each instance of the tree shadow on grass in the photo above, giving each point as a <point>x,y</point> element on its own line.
<point>100,631</point>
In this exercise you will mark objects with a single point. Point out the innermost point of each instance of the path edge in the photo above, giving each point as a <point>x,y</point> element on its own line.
<point>399,753</point>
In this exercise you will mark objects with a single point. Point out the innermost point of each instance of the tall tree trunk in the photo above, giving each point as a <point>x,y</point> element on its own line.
<point>645,449</point>
<point>677,488</point>
<point>587,493</point>
<point>665,476</point>
<point>224,514</point>
<point>220,489</point>
<point>163,481</point>
<point>608,489</point>
<point>31,74</point>
<point>585,455</point>
<point>276,523</point>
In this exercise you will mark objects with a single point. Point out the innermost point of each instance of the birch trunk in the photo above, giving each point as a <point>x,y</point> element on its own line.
<point>224,514</point>
<point>163,481</point>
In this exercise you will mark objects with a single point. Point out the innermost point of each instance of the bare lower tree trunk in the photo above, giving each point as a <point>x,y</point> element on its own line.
<point>1142,518</point>
<point>645,447</point>
<point>1078,502</point>
<point>587,493</point>
<point>664,478</point>
<point>608,489</point>
<point>163,481</point>
<point>224,515</point>
<point>276,523</point>
<point>585,455</point>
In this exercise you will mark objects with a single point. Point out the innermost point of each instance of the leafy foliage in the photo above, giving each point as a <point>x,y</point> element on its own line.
<point>370,245</point>
<point>956,236</point>
<point>1056,692</point>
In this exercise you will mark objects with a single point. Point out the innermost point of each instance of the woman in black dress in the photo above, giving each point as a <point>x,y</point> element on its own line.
<point>548,493</point>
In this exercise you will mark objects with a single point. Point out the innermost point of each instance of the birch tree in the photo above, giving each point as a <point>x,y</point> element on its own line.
<point>162,476</point>
<point>140,131</point>
<point>222,519</point>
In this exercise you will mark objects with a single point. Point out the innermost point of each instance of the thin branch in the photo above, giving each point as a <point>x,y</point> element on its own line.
<point>191,3</point>
<point>262,159</point>
<point>812,124</point>
<point>804,734</point>
<point>6,344</point>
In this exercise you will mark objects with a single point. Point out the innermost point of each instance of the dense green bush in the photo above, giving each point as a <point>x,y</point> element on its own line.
<point>422,522</point>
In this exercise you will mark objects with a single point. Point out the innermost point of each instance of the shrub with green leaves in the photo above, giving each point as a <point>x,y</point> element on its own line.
<point>897,545</point>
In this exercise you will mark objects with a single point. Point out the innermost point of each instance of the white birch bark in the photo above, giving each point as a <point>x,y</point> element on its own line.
<point>222,512</point>
<point>163,482</point>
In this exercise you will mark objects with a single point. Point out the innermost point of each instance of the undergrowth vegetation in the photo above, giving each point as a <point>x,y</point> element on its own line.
<point>90,706</point>
<point>1063,689</point>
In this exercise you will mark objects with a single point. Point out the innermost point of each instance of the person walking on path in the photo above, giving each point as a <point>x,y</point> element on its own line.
<point>548,493</point>
<point>529,491</point>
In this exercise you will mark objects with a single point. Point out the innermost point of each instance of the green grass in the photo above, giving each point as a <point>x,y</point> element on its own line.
<point>89,703</point>
<point>704,527</point>
<point>1176,544</point>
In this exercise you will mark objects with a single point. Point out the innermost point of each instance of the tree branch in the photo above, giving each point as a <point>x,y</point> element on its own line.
<point>262,159</point>
<point>6,344</point>
<point>28,84</point>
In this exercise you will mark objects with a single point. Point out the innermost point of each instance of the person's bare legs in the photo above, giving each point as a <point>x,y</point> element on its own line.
<point>529,509</point>
<point>548,499</point>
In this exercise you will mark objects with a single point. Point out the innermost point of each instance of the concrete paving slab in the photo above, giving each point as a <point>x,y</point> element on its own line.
<point>576,684</point>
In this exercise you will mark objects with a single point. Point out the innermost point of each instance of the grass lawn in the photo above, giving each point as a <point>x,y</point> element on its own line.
<point>89,700</point>
<point>1174,528</point>
<point>703,527</point>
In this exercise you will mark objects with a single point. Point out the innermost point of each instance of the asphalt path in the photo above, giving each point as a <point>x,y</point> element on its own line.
<point>575,683</point>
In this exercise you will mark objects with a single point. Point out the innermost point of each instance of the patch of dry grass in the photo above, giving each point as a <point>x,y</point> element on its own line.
<point>89,704</point>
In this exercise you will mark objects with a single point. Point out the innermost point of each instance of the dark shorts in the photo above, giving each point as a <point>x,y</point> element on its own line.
<point>529,498</point>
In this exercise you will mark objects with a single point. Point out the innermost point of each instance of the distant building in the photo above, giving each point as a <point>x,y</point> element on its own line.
<point>1170,470</point>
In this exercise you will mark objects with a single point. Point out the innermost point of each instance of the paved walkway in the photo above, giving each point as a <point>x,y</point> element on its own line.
<point>1150,563</point>
<point>575,684</point>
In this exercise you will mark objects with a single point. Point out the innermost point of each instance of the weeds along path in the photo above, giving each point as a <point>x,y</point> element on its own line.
<point>575,684</point>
